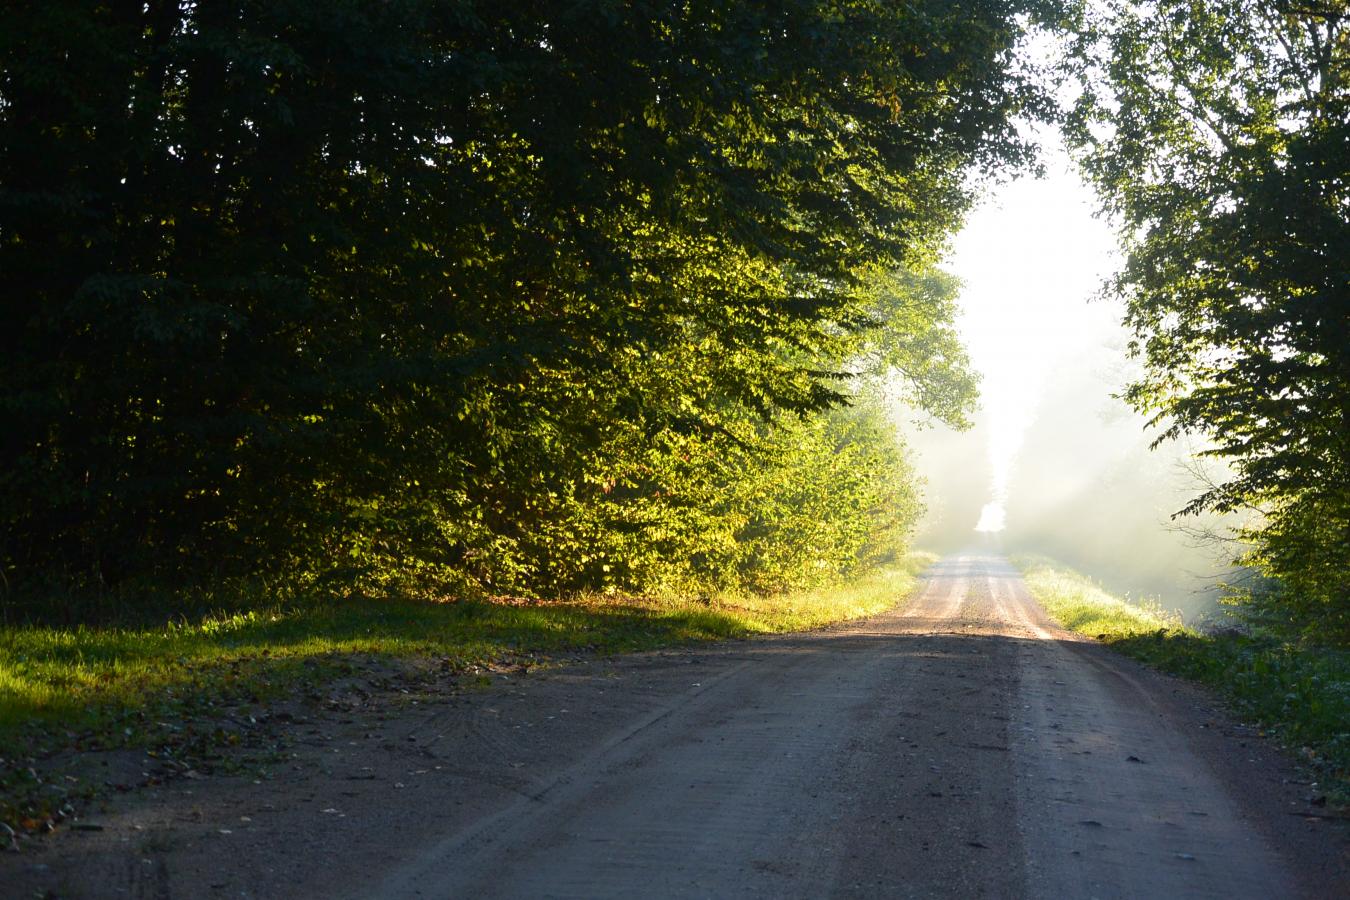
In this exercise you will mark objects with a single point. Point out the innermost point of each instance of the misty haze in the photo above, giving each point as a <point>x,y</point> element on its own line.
<point>1054,462</point>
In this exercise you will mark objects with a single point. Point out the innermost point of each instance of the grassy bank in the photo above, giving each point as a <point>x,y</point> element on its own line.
<point>1298,691</point>
<point>102,688</point>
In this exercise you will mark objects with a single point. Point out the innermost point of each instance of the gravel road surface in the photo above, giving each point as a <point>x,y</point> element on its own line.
<point>959,746</point>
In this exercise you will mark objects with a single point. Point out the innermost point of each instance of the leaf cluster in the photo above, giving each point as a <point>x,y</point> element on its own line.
<point>1219,136</point>
<point>413,292</point>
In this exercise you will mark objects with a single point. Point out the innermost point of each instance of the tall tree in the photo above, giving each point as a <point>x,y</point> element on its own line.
<point>1219,134</point>
<point>312,287</point>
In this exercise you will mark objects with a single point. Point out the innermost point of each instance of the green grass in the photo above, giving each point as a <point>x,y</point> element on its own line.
<point>1298,691</point>
<point>1080,604</point>
<point>87,688</point>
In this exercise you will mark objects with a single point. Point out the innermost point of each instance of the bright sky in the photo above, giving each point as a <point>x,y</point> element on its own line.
<point>1031,257</point>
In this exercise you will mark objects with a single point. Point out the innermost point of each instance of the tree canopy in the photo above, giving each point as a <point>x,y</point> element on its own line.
<point>1219,135</point>
<point>422,289</point>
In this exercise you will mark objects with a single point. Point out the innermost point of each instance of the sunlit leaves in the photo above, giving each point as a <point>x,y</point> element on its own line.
<point>449,294</point>
<point>1219,134</point>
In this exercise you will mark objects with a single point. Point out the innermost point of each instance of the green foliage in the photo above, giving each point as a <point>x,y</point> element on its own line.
<point>463,296</point>
<point>830,496</point>
<point>1219,135</point>
<point>1300,691</point>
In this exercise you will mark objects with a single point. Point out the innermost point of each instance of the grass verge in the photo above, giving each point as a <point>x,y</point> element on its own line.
<point>1300,692</point>
<point>108,688</point>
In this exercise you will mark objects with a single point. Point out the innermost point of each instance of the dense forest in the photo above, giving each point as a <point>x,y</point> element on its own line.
<point>448,297</point>
<point>480,297</point>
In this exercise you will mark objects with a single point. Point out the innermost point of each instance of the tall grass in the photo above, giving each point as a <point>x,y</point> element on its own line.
<point>1080,604</point>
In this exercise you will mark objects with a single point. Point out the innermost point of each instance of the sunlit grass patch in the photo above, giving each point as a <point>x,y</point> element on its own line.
<point>166,689</point>
<point>803,610</point>
<point>58,681</point>
<point>1080,604</point>
<point>1298,690</point>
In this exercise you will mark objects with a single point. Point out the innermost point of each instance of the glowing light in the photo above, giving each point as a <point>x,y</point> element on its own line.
<point>1030,259</point>
<point>992,518</point>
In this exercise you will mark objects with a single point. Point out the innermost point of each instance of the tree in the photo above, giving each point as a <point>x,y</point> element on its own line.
<point>339,290</point>
<point>1219,135</point>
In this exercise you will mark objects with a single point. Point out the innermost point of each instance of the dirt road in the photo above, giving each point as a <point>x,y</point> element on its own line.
<point>960,746</point>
